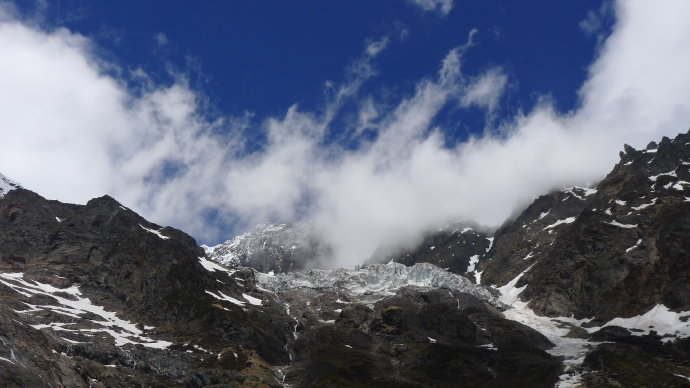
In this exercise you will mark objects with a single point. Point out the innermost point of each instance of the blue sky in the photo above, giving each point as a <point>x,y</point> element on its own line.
<point>264,56</point>
<point>372,121</point>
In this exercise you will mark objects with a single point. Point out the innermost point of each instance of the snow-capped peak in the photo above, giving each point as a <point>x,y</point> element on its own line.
<point>6,185</point>
<point>271,247</point>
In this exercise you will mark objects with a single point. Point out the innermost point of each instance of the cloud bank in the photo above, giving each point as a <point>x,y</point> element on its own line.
<point>73,127</point>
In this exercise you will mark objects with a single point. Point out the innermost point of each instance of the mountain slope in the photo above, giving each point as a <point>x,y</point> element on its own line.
<point>95,295</point>
<point>102,286</point>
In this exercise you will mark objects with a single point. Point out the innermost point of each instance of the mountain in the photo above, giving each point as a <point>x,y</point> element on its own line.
<point>587,286</point>
<point>456,247</point>
<point>272,247</point>
<point>602,260</point>
<point>6,185</point>
<point>95,295</point>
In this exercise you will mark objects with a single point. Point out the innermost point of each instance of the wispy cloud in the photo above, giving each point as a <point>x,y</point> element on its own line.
<point>442,6</point>
<point>485,92</point>
<point>72,131</point>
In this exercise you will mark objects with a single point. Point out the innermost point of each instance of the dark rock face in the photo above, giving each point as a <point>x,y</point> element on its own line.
<point>88,286</point>
<point>528,239</point>
<point>629,361</point>
<point>628,249</point>
<point>416,339</point>
<point>457,248</point>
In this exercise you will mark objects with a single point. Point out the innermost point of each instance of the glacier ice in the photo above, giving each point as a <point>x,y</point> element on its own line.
<point>378,279</point>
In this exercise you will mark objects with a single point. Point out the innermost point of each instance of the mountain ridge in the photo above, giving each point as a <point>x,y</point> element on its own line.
<point>585,287</point>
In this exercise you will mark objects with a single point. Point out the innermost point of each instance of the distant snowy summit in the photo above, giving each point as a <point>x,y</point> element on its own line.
<point>6,185</point>
<point>272,247</point>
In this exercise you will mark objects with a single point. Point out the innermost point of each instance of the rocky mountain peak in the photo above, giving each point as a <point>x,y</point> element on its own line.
<point>272,247</point>
<point>6,185</point>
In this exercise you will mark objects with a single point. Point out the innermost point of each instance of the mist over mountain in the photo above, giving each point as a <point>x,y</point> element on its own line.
<point>404,193</point>
<point>365,170</point>
<point>585,287</point>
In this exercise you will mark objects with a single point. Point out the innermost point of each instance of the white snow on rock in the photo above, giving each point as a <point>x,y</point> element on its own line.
<point>653,178</point>
<point>625,226</point>
<point>568,220</point>
<point>580,192</point>
<point>644,205</point>
<point>252,300</point>
<point>573,350</point>
<point>473,262</point>
<point>660,319</point>
<point>156,232</point>
<point>122,331</point>
<point>221,296</point>
<point>376,280</point>
<point>212,266</point>
<point>637,244</point>
<point>6,185</point>
<point>491,243</point>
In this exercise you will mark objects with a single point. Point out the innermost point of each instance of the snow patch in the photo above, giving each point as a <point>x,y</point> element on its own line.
<point>156,232</point>
<point>625,226</point>
<point>660,319</point>
<point>653,178</point>
<point>221,296</point>
<point>122,331</point>
<point>473,262</point>
<point>644,205</point>
<point>568,220</point>
<point>252,300</point>
<point>212,267</point>
<point>637,244</point>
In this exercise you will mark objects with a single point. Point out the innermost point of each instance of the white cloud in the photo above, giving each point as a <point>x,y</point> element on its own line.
<point>442,6</point>
<point>595,20</point>
<point>161,39</point>
<point>375,47</point>
<point>71,132</point>
<point>486,91</point>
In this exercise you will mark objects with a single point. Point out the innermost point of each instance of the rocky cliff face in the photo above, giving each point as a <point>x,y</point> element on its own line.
<point>614,251</point>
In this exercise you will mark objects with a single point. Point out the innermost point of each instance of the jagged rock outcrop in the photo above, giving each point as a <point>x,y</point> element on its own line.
<point>627,251</point>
